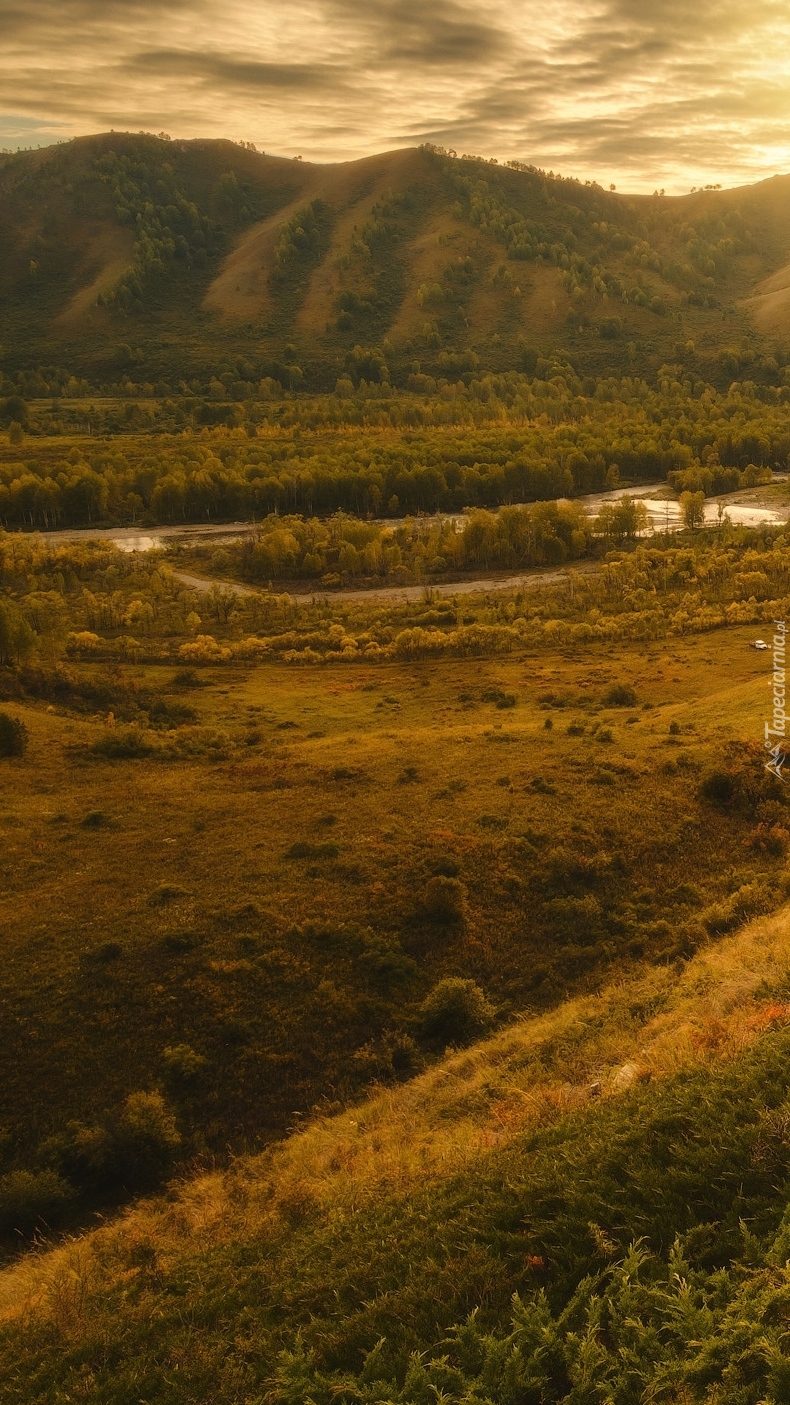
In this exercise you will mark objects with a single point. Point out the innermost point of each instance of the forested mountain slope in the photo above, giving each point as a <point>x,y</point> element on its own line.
<point>118,248</point>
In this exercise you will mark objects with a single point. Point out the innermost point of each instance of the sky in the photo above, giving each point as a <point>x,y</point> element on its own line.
<point>647,94</point>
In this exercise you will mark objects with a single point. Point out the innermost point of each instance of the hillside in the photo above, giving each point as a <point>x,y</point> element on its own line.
<point>118,250</point>
<point>621,1164</point>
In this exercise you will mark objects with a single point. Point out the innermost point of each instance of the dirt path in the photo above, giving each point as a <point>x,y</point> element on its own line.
<point>531,580</point>
<point>202,585</point>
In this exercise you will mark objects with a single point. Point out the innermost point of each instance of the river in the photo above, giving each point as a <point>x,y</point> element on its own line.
<point>747,508</point>
<point>743,509</point>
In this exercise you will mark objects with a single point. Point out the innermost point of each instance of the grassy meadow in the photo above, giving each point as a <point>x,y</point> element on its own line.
<point>236,885</point>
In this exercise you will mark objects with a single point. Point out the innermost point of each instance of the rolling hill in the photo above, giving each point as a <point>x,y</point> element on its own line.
<point>120,248</point>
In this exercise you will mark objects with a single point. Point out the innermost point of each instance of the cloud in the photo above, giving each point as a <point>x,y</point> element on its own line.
<point>227,71</point>
<point>670,94</point>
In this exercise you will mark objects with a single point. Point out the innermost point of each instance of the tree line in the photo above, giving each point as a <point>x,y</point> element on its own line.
<point>525,440</point>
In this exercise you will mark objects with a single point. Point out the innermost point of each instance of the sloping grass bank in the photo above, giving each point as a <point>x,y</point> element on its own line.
<point>504,1170</point>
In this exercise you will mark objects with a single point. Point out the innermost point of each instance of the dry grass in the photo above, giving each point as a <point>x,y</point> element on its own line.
<point>404,768</point>
<point>443,1121</point>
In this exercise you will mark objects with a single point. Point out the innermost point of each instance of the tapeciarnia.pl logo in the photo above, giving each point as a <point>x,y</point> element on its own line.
<point>778,727</point>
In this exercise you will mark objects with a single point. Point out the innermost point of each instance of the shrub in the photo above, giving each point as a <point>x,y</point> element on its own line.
<point>13,735</point>
<point>134,1146</point>
<point>542,786</point>
<point>147,1139</point>
<point>718,787</point>
<point>770,839</point>
<point>168,715</point>
<point>499,697</point>
<point>82,642</point>
<point>187,678</point>
<point>166,893</point>
<point>446,867</point>
<point>182,1062</point>
<point>455,1011</point>
<point>29,1199</point>
<point>745,902</point>
<point>444,898</point>
<point>205,649</point>
<point>408,775</point>
<point>620,695</point>
<point>106,953</point>
<point>577,918</point>
<point>303,850</point>
<point>211,742</point>
<point>122,744</point>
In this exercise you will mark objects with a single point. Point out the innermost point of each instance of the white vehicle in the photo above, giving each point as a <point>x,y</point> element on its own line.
<point>760,644</point>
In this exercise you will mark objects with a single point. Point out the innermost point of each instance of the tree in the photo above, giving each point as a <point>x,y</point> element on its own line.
<point>13,735</point>
<point>445,899</point>
<point>692,505</point>
<point>622,520</point>
<point>17,639</point>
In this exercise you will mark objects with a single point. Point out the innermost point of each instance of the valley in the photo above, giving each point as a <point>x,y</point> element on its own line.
<point>395,989</point>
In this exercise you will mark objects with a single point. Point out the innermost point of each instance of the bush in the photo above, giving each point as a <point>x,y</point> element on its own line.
<point>205,649</point>
<point>166,893</point>
<point>166,716</point>
<point>187,678</point>
<point>134,1147</point>
<point>29,1199</point>
<point>499,697</point>
<point>718,787</point>
<point>122,744</point>
<point>444,899</point>
<point>621,695</point>
<point>147,1139</point>
<point>13,735</point>
<point>183,1063</point>
<point>455,1012</point>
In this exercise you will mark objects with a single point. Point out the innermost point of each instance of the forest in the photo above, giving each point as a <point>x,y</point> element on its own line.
<point>497,441</point>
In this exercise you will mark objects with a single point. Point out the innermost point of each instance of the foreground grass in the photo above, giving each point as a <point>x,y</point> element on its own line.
<point>523,1165</point>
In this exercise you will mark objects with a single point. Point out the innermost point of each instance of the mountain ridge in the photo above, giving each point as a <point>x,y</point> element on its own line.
<point>198,251</point>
